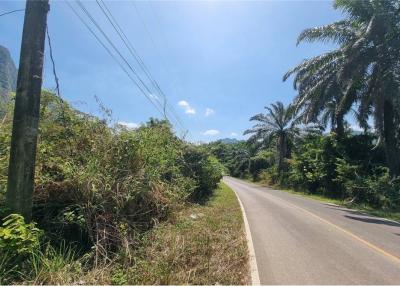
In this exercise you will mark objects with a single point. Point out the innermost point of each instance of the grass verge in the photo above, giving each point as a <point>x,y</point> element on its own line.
<point>206,244</point>
<point>200,244</point>
<point>387,214</point>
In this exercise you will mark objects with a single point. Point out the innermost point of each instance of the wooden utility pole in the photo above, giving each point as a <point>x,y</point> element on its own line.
<point>21,170</point>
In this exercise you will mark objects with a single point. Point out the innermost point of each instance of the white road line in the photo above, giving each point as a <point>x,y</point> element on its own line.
<point>255,278</point>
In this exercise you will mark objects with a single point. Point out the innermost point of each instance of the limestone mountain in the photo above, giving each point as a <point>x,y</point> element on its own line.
<point>8,73</point>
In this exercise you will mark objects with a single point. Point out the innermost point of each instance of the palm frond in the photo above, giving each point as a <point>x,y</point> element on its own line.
<point>339,32</point>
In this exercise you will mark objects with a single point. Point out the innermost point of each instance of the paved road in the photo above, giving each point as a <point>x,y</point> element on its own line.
<point>303,241</point>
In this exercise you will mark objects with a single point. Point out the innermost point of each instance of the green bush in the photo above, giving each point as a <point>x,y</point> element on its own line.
<point>17,241</point>
<point>375,188</point>
<point>262,161</point>
<point>102,185</point>
<point>18,237</point>
<point>234,156</point>
<point>205,170</point>
<point>312,167</point>
<point>350,169</point>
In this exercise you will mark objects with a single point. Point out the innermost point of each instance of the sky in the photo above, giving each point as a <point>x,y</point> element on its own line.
<point>217,62</point>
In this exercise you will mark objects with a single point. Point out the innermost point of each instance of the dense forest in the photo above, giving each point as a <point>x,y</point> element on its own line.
<point>309,145</point>
<point>99,187</point>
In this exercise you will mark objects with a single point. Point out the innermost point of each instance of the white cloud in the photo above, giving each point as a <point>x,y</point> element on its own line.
<point>234,134</point>
<point>211,132</point>
<point>356,128</point>
<point>209,111</point>
<point>186,106</point>
<point>130,125</point>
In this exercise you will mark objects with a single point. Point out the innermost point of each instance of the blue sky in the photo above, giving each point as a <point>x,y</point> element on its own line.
<point>218,63</point>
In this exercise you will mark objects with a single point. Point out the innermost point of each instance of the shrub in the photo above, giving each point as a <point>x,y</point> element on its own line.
<point>18,237</point>
<point>261,161</point>
<point>313,165</point>
<point>102,185</point>
<point>17,241</point>
<point>205,170</point>
<point>375,188</point>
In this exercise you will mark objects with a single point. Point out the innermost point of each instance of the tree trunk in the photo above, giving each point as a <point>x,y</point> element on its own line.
<point>339,125</point>
<point>26,113</point>
<point>392,151</point>
<point>333,122</point>
<point>281,148</point>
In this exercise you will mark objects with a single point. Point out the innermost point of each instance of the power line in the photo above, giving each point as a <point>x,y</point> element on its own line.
<point>141,63</point>
<point>121,56</point>
<point>117,28</point>
<point>106,11</point>
<point>56,79</point>
<point>142,85</point>
<point>111,43</point>
<point>111,54</point>
<point>163,37</point>
<point>118,52</point>
<point>53,63</point>
<point>163,63</point>
<point>10,12</point>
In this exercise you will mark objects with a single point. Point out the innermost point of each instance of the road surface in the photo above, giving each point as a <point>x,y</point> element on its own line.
<point>302,241</point>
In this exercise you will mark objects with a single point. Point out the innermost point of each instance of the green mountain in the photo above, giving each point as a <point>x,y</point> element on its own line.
<point>8,73</point>
<point>229,140</point>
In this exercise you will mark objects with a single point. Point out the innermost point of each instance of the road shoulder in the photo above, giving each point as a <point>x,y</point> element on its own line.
<point>254,274</point>
<point>206,244</point>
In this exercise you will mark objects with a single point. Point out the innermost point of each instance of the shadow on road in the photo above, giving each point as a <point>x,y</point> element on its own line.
<point>373,220</point>
<point>360,216</point>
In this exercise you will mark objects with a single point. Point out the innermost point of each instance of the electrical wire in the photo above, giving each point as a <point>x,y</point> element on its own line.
<point>106,11</point>
<point>10,12</point>
<point>112,55</point>
<point>163,63</point>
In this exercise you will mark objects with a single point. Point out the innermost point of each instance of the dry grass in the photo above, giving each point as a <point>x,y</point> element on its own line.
<point>201,244</point>
<point>205,245</point>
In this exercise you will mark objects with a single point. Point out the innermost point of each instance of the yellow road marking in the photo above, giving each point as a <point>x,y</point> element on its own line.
<point>376,248</point>
<point>367,243</point>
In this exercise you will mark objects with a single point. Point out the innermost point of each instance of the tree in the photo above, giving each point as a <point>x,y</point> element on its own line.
<point>240,161</point>
<point>366,68</point>
<point>278,124</point>
<point>319,92</point>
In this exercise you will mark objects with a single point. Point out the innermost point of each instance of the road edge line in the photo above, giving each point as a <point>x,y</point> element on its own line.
<point>255,278</point>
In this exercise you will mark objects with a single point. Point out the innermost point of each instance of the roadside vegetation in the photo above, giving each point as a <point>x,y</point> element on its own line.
<point>310,146</point>
<point>114,205</point>
<point>99,189</point>
<point>205,244</point>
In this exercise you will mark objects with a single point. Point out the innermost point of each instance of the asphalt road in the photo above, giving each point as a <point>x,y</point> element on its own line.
<point>302,241</point>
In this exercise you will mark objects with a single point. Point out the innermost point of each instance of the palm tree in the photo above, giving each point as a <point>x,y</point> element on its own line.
<point>278,124</point>
<point>319,102</point>
<point>320,93</point>
<point>366,68</point>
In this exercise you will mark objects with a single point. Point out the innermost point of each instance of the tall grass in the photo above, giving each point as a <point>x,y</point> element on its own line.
<point>54,265</point>
<point>102,186</point>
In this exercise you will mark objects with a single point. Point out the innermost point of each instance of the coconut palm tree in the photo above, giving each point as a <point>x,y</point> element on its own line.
<point>366,68</point>
<point>278,124</point>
